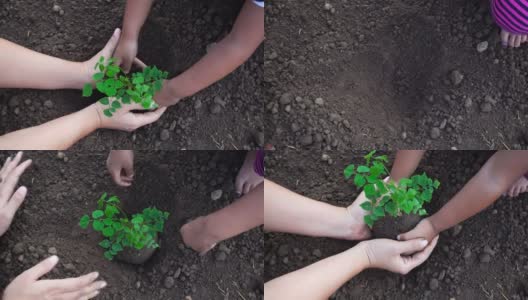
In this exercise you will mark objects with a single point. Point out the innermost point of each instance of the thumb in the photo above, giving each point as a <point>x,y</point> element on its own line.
<point>42,268</point>
<point>412,246</point>
<point>409,235</point>
<point>110,46</point>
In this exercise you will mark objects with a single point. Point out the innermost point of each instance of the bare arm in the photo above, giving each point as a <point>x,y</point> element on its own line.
<point>247,34</point>
<point>24,68</point>
<point>405,163</point>
<point>494,178</point>
<point>136,13</point>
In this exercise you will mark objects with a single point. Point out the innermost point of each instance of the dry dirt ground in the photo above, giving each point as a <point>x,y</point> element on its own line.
<point>392,74</point>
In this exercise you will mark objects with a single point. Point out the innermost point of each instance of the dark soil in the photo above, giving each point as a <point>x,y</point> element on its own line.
<point>384,74</point>
<point>483,258</point>
<point>389,227</point>
<point>62,190</point>
<point>174,37</point>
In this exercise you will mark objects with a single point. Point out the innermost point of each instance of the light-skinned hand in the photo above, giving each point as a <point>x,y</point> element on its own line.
<point>27,285</point>
<point>10,200</point>
<point>125,118</point>
<point>120,164</point>
<point>389,254</point>
<point>424,230</point>
<point>88,67</point>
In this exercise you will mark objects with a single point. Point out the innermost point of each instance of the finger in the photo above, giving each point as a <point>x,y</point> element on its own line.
<point>16,200</point>
<point>418,258</point>
<point>139,63</point>
<point>239,186</point>
<point>13,164</point>
<point>247,187</point>
<point>5,165</point>
<point>412,246</point>
<point>409,235</point>
<point>524,38</point>
<point>511,41</point>
<point>517,41</point>
<point>6,190</point>
<point>126,65</point>
<point>77,284</point>
<point>149,117</point>
<point>504,38</point>
<point>111,45</point>
<point>129,172</point>
<point>42,268</point>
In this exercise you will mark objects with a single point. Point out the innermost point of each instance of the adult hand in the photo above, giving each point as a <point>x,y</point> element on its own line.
<point>125,53</point>
<point>120,164</point>
<point>89,65</point>
<point>388,254</point>
<point>27,285</point>
<point>10,200</point>
<point>125,119</point>
<point>424,230</point>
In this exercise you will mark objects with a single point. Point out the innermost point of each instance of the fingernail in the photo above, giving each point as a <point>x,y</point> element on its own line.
<point>54,259</point>
<point>22,190</point>
<point>95,275</point>
<point>398,237</point>
<point>423,243</point>
<point>102,285</point>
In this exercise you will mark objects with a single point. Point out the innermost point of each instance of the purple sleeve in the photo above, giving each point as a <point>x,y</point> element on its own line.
<point>258,166</point>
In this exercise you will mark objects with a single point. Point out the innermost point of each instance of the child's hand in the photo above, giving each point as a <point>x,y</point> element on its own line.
<point>125,53</point>
<point>388,254</point>
<point>424,230</point>
<point>120,164</point>
<point>10,200</point>
<point>166,97</point>
<point>126,120</point>
<point>27,285</point>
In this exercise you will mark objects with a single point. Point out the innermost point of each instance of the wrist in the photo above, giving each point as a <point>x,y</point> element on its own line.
<point>96,115</point>
<point>359,254</point>
<point>435,226</point>
<point>130,35</point>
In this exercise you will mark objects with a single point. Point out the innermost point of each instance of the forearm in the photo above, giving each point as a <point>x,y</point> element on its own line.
<point>136,13</point>
<point>240,216</point>
<point>405,163</point>
<point>247,34</point>
<point>24,68</point>
<point>59,134</point>
<point>286,211</point>
<point>495,177</point>
<point>319,280</point>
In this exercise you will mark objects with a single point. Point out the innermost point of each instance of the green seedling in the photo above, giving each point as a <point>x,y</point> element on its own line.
<point>120,231</point>
<point>408,196</point>
<point>120,89</point>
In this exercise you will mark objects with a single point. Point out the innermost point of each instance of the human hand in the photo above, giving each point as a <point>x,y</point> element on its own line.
<point>166,97</point>
<point>120,164</point>
<point>125,119</point>
<point>88,67</point>
<point>27,285</point>
<point>389,254</point>
<point>424,230</point>
<point>9,201</point>
<point>126,52</point>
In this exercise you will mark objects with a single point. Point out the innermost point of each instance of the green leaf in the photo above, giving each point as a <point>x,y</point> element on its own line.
<point>85,220</point>
<point>382,158</point>
<point>422,212</point>
<point>390,207</point>
<point>363,169</point>
<point>158,85</point>
<point>366,206</point>
<point>104,101</point>
<point>379,212</point>
<point>110,211</point>
<point>359,180</point>
<point>98,76</point>
<point>105,244</point>
<point>97,225</point>
<point>137,220</point>
<point>97,214</point>
<point>349,171</point>
<point>368,220</point>
<point>108,255</point>
<point>108,231</point>
<point>101,59</point>
<point>87,90</point>
<point>436,184</point>
<point>125,99</point>
<point>107,113</point>
<point>117,247</point>
<point>370,191</point>
<point>116,104</point>
<point>368,157</point>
